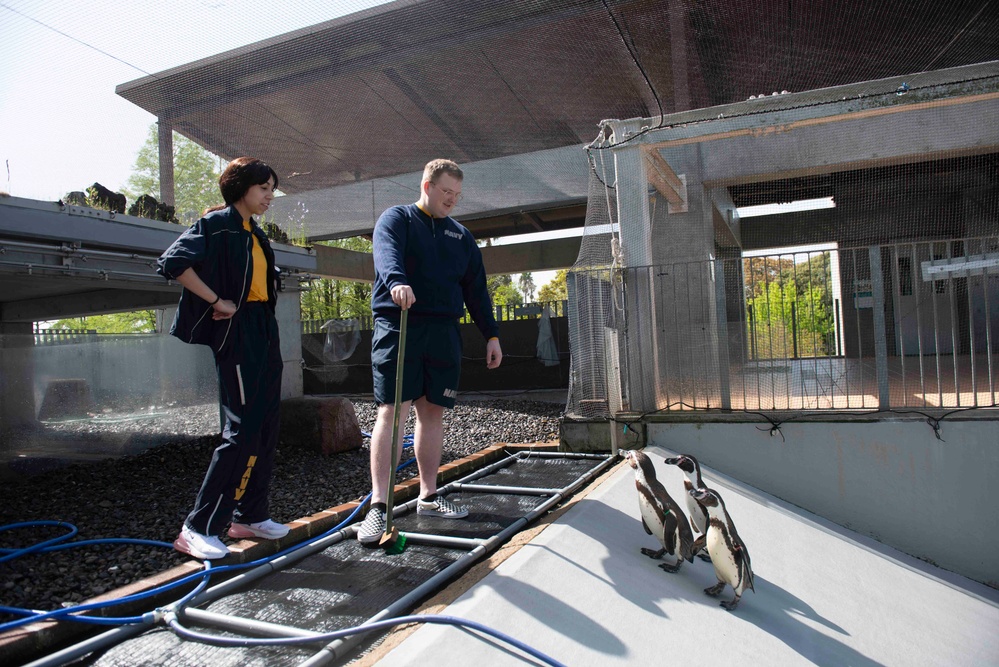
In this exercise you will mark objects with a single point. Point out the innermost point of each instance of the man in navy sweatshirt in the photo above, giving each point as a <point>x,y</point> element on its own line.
<point>429,264</point>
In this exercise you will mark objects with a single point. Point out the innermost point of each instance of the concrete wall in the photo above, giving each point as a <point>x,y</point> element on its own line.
<point>892,480</point>
<point>520,368</point>
<point>289,318</point>
<point>129,372</point>
<point>17,401</point>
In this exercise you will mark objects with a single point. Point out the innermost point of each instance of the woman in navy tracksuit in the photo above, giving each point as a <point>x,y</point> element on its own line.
<point>226,266</point>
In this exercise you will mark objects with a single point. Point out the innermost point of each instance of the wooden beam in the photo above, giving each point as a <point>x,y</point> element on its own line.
<point>535,220</point>
<point>535,256</point>
<point>340,264</point>
<point>664,179</point>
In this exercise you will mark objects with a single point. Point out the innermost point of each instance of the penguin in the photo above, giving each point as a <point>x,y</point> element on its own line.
<point>661,516</point>
<point>692,482</point>
<point>729,555</point>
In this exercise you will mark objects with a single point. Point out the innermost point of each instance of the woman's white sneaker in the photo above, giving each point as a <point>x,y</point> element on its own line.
<point>202,547</point>
<point>268,530</point>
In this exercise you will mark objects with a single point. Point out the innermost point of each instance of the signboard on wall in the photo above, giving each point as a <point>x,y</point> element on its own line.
<point>863,294</point>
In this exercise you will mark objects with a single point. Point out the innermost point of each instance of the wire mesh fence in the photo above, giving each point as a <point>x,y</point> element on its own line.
<point>910,325</point>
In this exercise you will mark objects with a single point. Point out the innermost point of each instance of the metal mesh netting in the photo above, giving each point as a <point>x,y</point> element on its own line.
<point>887,108</point>
<point>349,109</point>
<point>882,294</point>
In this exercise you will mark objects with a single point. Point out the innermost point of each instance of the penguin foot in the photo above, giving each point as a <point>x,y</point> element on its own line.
<point>731,604</point>
<point>652,553</point>
<point>704,556</point>
<point>672,569</point>
<point>715,591</point>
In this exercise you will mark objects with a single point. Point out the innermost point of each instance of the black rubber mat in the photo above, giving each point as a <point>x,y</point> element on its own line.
<point>346,584</point>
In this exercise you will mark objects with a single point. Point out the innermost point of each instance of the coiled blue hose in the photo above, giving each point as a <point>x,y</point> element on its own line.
<point>70,613</point>
<point>73,613</point>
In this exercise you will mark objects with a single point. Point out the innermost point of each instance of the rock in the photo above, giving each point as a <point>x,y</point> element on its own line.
<point>320,423</point>
<point>66,399</point>
<point>160,485</point>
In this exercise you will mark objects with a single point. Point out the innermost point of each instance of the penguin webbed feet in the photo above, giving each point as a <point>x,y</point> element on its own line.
<point>653,553</point>
<point>730,605</point>
<point>715,591</point>
<point>703,555</point>
<point>672,569</point>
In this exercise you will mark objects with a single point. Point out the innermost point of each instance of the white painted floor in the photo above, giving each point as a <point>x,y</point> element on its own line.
<point>582,593</point>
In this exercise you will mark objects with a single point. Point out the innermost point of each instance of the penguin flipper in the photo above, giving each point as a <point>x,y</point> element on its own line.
<point>699,549</point>
<point>648,531</point>
<point>669,533</point>
<point>698,544</point>
<point>745,568</point>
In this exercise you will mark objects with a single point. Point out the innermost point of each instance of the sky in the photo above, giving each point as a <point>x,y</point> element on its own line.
<point>63,128</point>
<point>61,125</point>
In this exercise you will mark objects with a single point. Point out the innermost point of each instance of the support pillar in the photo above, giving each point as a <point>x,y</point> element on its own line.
<point>632,183</point>
<point>17,390</point>
<point>289,317</point>
<point>880,328</point>
<point>166,163</point>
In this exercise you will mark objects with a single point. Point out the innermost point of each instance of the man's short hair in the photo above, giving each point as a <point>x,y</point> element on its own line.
<point>437,167</point>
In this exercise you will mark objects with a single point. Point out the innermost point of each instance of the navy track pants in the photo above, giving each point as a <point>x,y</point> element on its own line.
<point>237,484</point>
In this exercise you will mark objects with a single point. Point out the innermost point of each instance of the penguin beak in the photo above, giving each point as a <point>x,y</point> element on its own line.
<point>672,462</point>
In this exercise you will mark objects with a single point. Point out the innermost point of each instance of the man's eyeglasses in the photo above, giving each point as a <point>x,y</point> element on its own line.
<point>448,193</point>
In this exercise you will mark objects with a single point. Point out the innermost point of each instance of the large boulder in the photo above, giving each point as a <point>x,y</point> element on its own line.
<point>66,398</point>
<point>324,424</point>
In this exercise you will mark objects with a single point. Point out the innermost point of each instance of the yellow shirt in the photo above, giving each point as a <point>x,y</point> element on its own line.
<point>258,285</point>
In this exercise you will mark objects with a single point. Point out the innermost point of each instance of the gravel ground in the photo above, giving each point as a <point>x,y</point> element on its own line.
<point>147,496</point>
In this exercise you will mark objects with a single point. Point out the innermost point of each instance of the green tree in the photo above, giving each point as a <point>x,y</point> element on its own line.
<point>493,283</point>
<point>761,271</point>
<point>328,299</point>
<point>789,307</point>
<point>139,321</point>
<point>555,289</point>
<point>507,295</point>
<point>526,283</point>
<point>196,176</point>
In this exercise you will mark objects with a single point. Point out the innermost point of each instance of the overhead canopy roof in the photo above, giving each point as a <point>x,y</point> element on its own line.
<point>377,93</point>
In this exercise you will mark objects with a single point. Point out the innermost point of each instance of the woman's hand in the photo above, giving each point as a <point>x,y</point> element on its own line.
<point>223,309</point>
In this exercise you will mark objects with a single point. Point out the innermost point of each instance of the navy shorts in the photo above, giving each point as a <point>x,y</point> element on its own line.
<point>432,366</point>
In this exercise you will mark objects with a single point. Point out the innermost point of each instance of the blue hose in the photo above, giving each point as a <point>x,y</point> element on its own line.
<point>11,554</point>
<point>218,640</point>
<point>70,613</point>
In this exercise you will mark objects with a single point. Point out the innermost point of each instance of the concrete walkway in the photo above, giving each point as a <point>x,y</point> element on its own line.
<point>582,593</point>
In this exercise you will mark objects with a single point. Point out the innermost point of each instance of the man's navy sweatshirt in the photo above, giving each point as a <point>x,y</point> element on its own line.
<point>439,259</point>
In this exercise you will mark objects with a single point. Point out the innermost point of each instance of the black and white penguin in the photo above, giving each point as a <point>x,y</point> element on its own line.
<point>728,552</point>
<point>692,482</point>
<point>661,516</point>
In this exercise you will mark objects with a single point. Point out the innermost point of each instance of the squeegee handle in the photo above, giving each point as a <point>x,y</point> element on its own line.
<point>400,360</point>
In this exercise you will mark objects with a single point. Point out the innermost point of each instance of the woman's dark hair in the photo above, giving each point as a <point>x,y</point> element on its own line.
<point>242,174</point>
<point>239,176</point>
